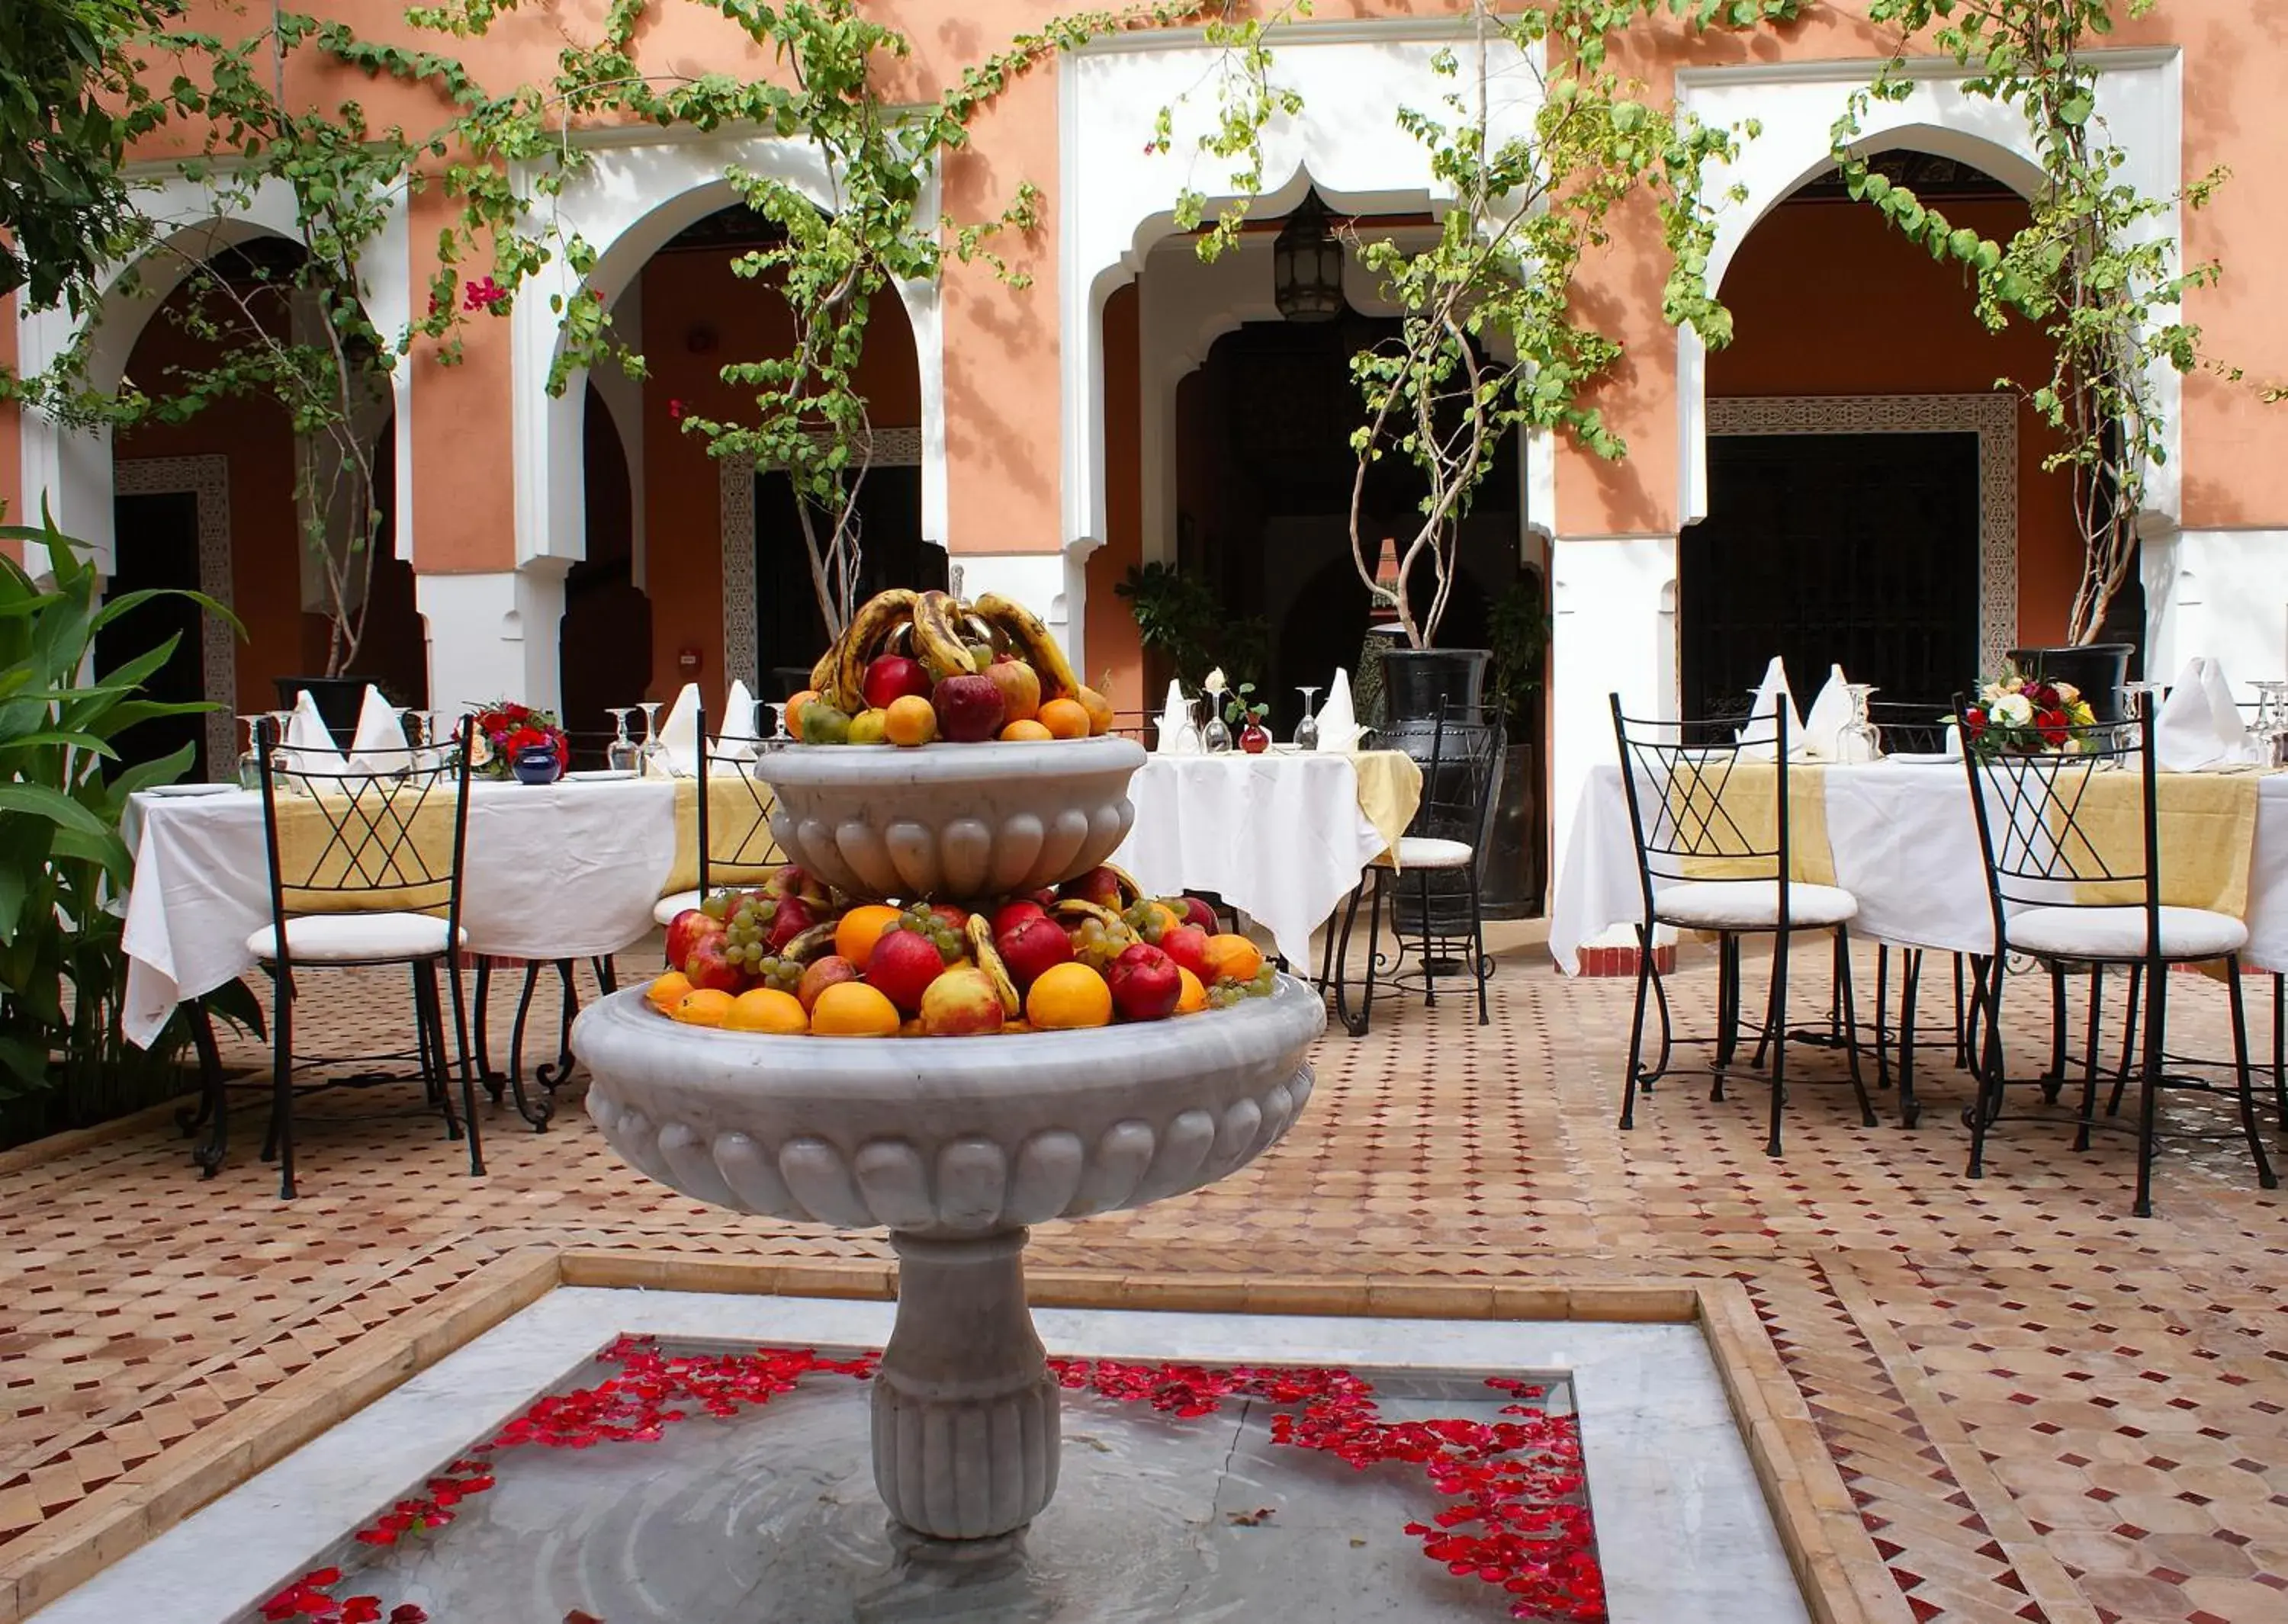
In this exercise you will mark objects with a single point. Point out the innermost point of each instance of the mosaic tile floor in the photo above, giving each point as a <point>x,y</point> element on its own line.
<point>2047,1410</point>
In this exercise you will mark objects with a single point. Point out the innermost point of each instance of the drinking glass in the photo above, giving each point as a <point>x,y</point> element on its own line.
<point>654,755</point>
<point>1859,741</point>
<point>621,754</point>
<point>1215,738</point>
<point>2271,726</point>
<point>2153,692</point>
<point>281,759</point>
<point>250,760</point>
<point>1306,730</point>
<point>779,734</point>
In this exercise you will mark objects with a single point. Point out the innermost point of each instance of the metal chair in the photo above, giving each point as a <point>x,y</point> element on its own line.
<point>2065,894</point>
<point>736,849</point>
<point>376,890</point>
<point>1460,753</point>
<point>1701,868</point>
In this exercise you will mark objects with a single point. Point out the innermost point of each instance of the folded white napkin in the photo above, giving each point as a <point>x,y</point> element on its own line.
<point>1178,736</point>
<point>310,743</point>
<point>378,746</point>
<point>1830,714</point>
<point>1339,728</point>
<point>679,735</point>
<point>2199,726</point>
<point>735,738</point>
<point>1762,726</point>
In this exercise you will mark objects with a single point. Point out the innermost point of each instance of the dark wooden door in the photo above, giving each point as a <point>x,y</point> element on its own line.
<point>157,546</point>
<point>1857,549</point>
<point>790,632</point>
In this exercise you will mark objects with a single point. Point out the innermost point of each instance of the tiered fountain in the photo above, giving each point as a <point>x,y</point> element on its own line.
<point>953,1145</point>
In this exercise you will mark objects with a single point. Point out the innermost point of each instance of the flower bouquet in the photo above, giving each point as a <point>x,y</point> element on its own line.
<point>2022,715</point>
<point>505,730</point>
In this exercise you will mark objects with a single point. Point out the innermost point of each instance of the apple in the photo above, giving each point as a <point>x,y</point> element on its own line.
<point>1196,912</point>
<point>1145,984</point>
<point>794,918</point>
<point>1188,945</point>
<point>1005,916</point>
<point>685,931</point>
<point>902,966</point>
<point>822,974</point>
<point>970,709</point>
<point>960,1003</point>
<point>1032,945</point>
<point>1098,885</point>
<point>956,917</point>
<point>894,676</point>
<point>708,966</point>
<point>1020,685</point>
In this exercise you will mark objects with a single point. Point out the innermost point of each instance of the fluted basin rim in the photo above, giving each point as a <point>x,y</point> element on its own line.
<point>856,767</point>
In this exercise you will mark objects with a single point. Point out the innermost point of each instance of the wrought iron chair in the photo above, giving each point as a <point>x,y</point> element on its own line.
<point>735,844</point>
<point>1701,868</point>
<point>1460,753</point>
<point>361,874</point>
<point>2066,894</point>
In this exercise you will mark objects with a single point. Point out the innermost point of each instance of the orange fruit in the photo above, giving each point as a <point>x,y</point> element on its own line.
<point>1194,998</point>
<point>794,710</point>
<point>1233,958</point>
<point>909,721</point>
<point>1064,718</point>
<point>668,991</point>
<point>1166,916</point>
<point>1099,708</point>
<point>704,1006</point>
<point>765,1009</point>
<point>853,1010</point>
<point>1068,995</point>
<point>1027,731</point>
<point>859,929</point>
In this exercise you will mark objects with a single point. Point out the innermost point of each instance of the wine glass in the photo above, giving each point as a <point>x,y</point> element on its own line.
<point>621,754</point>
<point>1859,740</point>
<point>653,754</point>
<point>1215,738</point>
<point>281,759</point>
<point>1306,730</point>
<point>250,760</point>
<point>779,734</point>
<point>2152,692</point>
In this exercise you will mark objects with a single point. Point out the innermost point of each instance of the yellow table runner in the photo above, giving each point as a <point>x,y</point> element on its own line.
<point>1731,810</point>
<point>738,815</point>
<point>2207,836</point>
<point>1389,791</point>
<point>393,836</point>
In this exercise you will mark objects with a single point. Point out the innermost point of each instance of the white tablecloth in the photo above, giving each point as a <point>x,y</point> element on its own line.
<point>1904,843</point>
<point>568,870</point>
<point>1279,837</point>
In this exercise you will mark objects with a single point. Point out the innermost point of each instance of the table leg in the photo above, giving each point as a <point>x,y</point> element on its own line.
<point>214,1100</point>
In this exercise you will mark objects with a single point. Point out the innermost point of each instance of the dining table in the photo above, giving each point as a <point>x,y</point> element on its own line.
<point>1283,836</point>
<point>1901,836</point>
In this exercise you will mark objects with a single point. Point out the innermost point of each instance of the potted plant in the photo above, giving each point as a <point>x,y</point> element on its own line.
<point>1510,885</point>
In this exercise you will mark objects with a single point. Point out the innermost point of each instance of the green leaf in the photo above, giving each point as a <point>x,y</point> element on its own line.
<point>39,800</point>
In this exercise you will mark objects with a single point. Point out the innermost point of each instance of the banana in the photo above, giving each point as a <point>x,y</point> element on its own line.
<point>812,943</point>
<point>937,637</point>
<point>823,675</point>
<point>989,960</point>
<point>1130,892</point>
<point>1073,908</point>
<point>1029,635</point>
<point>868,630</point>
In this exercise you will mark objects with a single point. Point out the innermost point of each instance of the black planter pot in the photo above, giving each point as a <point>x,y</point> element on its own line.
<point>1510,887</point>
<point>2097,668</point>
<point>1418,682</point>
<point>338,700</point>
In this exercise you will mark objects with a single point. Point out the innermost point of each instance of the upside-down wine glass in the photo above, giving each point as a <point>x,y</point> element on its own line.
<point>621,754</point>
<point>654,755</point>
<point>250,760</point>
<point>779,737</point>
<point>1859,741</point>
<point>1215,738</point>
<point>281,759</point>
<point>2152,692</point>
<point>1306,730</point>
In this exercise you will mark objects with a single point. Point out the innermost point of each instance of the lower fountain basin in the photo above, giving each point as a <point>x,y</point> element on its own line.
<point>948,1136</point>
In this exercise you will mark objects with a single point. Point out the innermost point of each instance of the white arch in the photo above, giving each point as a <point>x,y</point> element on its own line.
<point>628,201</point>
<point>2139,96</point>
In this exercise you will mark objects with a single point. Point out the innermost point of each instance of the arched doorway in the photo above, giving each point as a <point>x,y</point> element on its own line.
<point>606,642</point>
<point>1872,502</point>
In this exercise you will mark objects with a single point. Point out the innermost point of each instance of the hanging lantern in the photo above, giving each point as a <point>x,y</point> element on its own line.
<point>1307,264</point>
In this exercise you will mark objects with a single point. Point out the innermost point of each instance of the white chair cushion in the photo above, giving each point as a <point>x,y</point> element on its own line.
<point>1751,905</point>
<point>1427,851</point>
<point>673,904</point>
<point>2119,933</point>
<point>318,938</point>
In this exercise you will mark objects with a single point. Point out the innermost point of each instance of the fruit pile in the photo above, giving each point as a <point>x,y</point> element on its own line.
<point>787,957</point>
<point>913,668</point>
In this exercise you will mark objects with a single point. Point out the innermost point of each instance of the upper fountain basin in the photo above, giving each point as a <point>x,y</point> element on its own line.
<point>954,822</point>
<point>948,1136</point>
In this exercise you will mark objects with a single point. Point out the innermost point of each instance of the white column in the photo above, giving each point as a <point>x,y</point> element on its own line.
<point>1050,584</point>
<point>1613,602</point>
<point>2221,593</point>
<point>495,635</point>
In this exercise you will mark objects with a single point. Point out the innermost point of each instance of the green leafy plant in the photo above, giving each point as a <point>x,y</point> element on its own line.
<point>1518,631</point>
<point>62,968</point>
<point>1180,616</point>
<point>1239,711</point>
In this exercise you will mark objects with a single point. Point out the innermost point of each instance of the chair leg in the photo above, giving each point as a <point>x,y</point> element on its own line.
<point>1374,950</point>
<point>2053,1081</point>
<point>429,1032</point>
<point>468,1074</point>
<point>1636,1027</point>
<point>1429,971</point>
<point>1844,997</point>
<point>2128,1039</point>
<point>1883,1010</point>
<point>1777,1035</point>
<point>1911,975</point>
<point>1728,998</point>
<point>1965,1020</point>
<point>1481,968</point>
<point>2149,1090</point>
<point>279,1140</point>
<point>607,975</point>
<point>2246,1084</point>
<point>2089,1060</point>
<point>2280,1051</point>
<point>494,1083</point>
<point>1340,962</point>
<point>214,1098</point>
<point>1986,1100</point>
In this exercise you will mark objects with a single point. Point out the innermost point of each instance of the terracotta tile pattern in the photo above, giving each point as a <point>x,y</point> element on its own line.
<point>2042,1409</point>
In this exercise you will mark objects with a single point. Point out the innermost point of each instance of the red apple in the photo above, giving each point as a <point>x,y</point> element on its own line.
<point>893,676</point>
<point>1100,886</point>
<point>957,918</point>
<point>822,974</point>
<point>1188,945</point>
<point>902,966</point>
<point>794,918</point>
<point>1005,916</point>
<point>969,709</point>
<point>1034,944</point>
<point>1145,984</point>
<point>1195,912</point>
<point>685,931</point>
<point>708,966</point>
<point>961,1003</point>
<point>788,881</point>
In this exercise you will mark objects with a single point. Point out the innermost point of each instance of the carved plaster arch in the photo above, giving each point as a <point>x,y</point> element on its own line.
<point>629,200</point>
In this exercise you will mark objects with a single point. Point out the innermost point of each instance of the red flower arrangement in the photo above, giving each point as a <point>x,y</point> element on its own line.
<point>1516,1516</point>
<point>504,728</point>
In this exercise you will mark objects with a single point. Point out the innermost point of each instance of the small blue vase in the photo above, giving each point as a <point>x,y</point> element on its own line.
<point>535,764</point>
